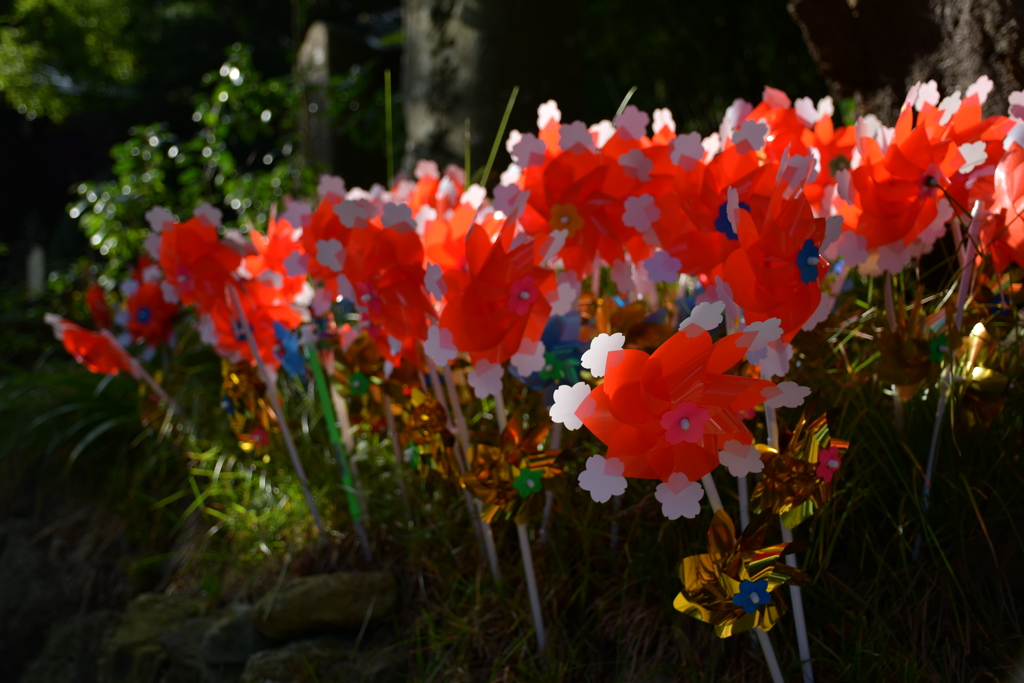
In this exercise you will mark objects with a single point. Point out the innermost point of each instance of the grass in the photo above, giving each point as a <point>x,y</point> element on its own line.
<point>202,516</point>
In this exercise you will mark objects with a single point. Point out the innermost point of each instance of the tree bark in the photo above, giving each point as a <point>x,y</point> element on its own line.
<point>462,59</point>
<point>873,50</point>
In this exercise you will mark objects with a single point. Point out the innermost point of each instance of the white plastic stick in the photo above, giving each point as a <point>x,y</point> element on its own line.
<point>460,424</point>
<point>554,444</point>
<point>275,405</point>
<point>762,637</point>
<point>531,585</point>
<point>769,656</point>
<point>803,644</point>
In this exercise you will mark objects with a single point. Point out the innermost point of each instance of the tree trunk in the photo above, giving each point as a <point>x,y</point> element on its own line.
<point>873,50</point>
<point>462,59</point>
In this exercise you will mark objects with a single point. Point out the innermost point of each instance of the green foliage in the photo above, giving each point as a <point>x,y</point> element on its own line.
<point>243,156</point>
<point>53,50</point>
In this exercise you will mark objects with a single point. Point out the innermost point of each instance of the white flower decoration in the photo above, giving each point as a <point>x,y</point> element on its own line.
<point>158,217</point>
<point>529,358</point>
<point>776,359</point>
<point>529,151</point>
<point>974,155</point>
<point>757,336</point>
<point>662,267</point>
<point>321,303</point>
<point>603,478</point>
<point>785,395</point>
<point>331,185</point>
<point>775,98</point>
<point>511,175</point>
<point>712,144</point>
<point>169,293</point>
<point>641,212</point>
<point>740,459</point>
<point>564,298</point>
<point>850,247</point>
<point>440,346</point>
<point>331,254</point>
<point>602,131</point>
<point>474,195</point>
<point>426,169</point>
<point>575,138</point>
<point>663,119</point>
<point>485,378</point>
<point>152,273</point>
<point>296,263</point>
<point>679,497</point>
<point>152,245</point>
<point>632,123</point>
<point>949,106</point>
<point>750,137</point>
<point>686,150</point>
<point>209,214</point>
<point>805,111</point>
<point>345,288</point>
<point>128,287</point>
<point>833,231</point>
<point>595,358</point>
<point>353,213</point>
<point>433,280</point>
<point>570,400</point>
<point>636,165</point>
<point>546,112</point>
<point>820,315</point>
<point>706,315</point>
<point>927,93</point>
<point>398,217</point>
<point>510,200</point>
<point>981,87</point>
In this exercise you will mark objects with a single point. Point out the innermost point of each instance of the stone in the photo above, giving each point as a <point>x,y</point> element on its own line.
<point>72,648</point>
<point>233,638</point>
<point>325,602</point>
<point>135,654</point>
<point>323,659</point>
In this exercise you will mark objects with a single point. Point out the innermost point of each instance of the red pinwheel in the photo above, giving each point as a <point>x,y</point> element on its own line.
<point>196,262</point>
<point>97,351</point>
<point>500,301</point>
<point>99,309</point>
<point>897,184</point>
<point>672,411</point>
<point>776,271</point>
<point>151,319</point>
<point>384,276</point>
<point>280,260</point>
<point>581,191</point>
<point>1004,238</point>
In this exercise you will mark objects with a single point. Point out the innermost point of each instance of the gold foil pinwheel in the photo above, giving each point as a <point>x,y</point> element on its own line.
<point>980,363</point>
<point>426,429</point>
<point>733,585</point>
<point>798,481</point>
<point>508,477</point>
<point>247,410</point>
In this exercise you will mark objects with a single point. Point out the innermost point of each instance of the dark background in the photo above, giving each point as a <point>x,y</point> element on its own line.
<point>691,57</point>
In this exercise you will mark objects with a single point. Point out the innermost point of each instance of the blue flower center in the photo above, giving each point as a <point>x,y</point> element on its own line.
<point>143,315</point>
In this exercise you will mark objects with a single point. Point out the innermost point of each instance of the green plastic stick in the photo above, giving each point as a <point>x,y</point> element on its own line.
<point>339,451</point>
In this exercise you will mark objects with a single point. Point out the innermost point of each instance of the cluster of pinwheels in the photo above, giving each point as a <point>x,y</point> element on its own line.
<point>759,224</point>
